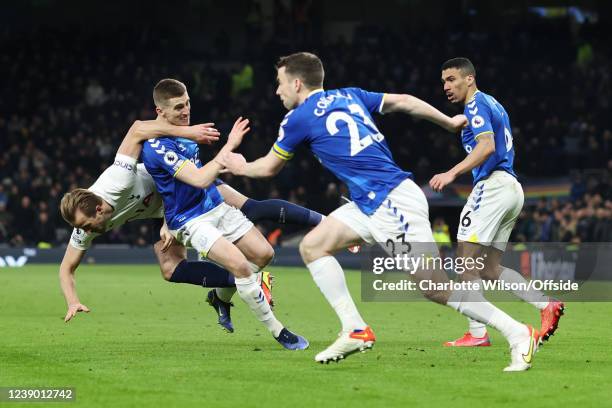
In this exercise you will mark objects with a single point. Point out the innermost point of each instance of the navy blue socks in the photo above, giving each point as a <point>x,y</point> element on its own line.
<point>201,273</point>
<point>280,211</point>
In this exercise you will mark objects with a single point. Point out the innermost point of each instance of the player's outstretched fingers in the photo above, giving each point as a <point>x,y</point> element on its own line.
<point>234,139</point>
<point>69,315</point>
<point>74,309</point>
<point>433,183</point>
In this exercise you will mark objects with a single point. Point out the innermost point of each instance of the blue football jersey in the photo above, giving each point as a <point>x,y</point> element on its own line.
<point>338,128</point>
<point>164,158</point>
<point>486,116</point>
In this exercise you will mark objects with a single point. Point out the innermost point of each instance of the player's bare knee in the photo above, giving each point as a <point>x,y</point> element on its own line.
<point>308,250</point>
<point>167,270</point>
<point>265,257</point>
<point>313,247</point>
<point>241,269</point>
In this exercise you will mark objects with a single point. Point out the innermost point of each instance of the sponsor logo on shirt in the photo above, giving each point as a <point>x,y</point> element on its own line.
<point>128,166</point>
<point>170,158</point>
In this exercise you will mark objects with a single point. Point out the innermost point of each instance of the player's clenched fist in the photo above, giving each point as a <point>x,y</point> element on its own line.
<point>74,309</point>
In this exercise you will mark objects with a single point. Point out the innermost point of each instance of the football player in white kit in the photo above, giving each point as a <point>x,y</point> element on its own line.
<point>126,191</point>
<point>123,192</point>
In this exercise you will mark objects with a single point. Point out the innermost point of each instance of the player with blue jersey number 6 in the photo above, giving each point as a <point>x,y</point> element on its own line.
<point>496,201</point>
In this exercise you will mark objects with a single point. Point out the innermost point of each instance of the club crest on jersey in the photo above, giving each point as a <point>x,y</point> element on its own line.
<point>170,158</point>
<point>477,121</point>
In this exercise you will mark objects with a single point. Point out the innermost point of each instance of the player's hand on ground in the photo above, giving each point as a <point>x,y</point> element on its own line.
<point>166,238</point>
<point>234,139</point>
<point>439,181</point>
<point>74,309</point>
<point>457,123</point>
<point>233,162</point>
<point>204,133</point>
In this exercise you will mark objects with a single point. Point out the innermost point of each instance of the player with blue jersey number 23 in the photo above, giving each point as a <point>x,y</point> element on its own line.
<point>386,204</point>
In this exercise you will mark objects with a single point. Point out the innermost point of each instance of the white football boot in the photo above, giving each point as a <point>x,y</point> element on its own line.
<point>524,351</point>
<point>347,344</point>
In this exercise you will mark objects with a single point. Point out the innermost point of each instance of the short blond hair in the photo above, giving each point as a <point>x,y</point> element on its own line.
<point>79,199</point>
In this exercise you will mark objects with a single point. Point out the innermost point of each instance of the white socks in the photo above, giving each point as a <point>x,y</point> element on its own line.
<point>250,292</point>
<point>477,329</point>
<point>329,277</point>
<point>474,305</point>
<point>225,294</point>
<point>532,296</point>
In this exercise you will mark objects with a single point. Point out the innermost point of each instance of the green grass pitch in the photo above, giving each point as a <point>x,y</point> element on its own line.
<point>149,343</point>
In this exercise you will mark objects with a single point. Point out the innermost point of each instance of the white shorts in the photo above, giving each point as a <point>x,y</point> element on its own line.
<point>491,211</point>
<point>402,218</point>
<point>202,232</point>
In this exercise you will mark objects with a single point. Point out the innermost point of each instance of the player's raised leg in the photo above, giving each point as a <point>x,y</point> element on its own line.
<point>176,268</point>
<point>317,249</point>
<point>550,309</point>
<point>280,211</point>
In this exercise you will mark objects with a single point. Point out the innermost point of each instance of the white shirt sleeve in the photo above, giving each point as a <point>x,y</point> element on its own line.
<point>81,239</point>
<point>116,179</point>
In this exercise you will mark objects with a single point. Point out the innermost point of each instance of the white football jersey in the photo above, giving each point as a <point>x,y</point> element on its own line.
<point>130,190</point>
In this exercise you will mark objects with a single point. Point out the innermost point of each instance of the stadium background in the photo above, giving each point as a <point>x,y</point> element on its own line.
<point>76,74</point>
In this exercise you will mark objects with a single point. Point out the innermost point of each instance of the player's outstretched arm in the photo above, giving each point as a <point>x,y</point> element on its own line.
<point>422,110</point>
<point>268,166</point>
<point>204,176</point>
<point>142,130</point>
<point>72,259</point>
<point>484,148</point>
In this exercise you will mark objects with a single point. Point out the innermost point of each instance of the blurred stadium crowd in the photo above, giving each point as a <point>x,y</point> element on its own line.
<point>67,101</point>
